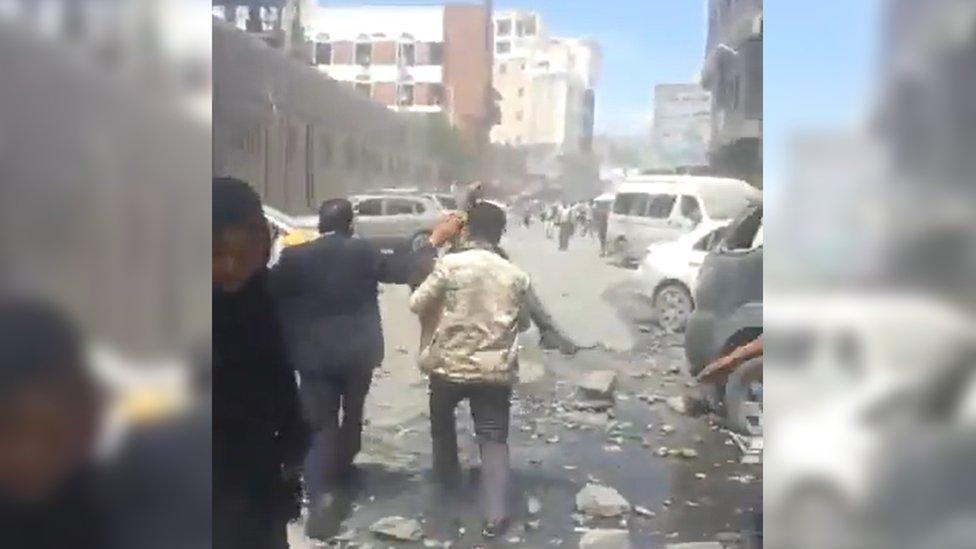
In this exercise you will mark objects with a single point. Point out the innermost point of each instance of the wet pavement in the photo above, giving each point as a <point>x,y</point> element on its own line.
<point>557,449</point>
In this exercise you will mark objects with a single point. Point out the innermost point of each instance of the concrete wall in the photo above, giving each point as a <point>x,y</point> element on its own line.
<point>298,136</point>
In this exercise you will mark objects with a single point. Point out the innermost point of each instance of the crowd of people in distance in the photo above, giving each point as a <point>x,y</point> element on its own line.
<point>563,220</point>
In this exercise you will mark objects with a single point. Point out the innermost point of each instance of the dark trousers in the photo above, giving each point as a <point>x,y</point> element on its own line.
<point>602,235</point>
<point>335,440</point>
<point>489,408</point>
<point>565,231</point>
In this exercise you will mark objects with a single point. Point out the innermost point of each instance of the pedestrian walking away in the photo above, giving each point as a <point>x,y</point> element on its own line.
<point>473,355</point>
<point>565,220</point>
<point>327,293</point>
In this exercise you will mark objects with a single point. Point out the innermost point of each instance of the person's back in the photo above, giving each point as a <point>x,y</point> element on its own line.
<point>483,311</point>
<point>327,293</point>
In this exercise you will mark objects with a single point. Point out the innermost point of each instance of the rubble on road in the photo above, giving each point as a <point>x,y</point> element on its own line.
<point>598,385</point>
<point>601,501</point>
<point>679,404</point>
<point>587,418</point>
<point>695,545</point>
<point>667,429</point>
<point>644,511</point>
<point>398,528</point>
<point>533,505</point>
<point>605,539</point>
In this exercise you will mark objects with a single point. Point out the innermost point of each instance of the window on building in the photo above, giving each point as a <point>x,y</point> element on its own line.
<point>436,92</point>
<point>503,68</point>
<point>504,27</point>
<point>408,55</point>
<point>370,207</point>
<point>323,53</point>
<point>364,53</point>
<point>531,26</point>
<point>660,206</point>
<point>521,92</point>
<point>503,47</point>
<point>364,88</point>
<point>405,95</point>
<point>437,53</point>
<point>519,28</point>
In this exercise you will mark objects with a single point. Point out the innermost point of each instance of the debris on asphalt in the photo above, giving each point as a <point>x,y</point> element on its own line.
<point>679,404</point>
<point>533,505</point>
<point>533,525</point>
<point>587,418</point>
<point>644,511</point>
<point>687,453</point>
<point>667,429</point>
<point>695,545</point>
<point>700,476</point>
<point>605,539</point>
<point>601,501</point>
<point>598,385</point>
<point>663,451</point>
<point>553,439</point>
<point>398,528</point>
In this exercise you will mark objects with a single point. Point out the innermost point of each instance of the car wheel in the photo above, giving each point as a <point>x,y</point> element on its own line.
<point>419,241</point>
<point>743,398</point>
<point>672,307</point>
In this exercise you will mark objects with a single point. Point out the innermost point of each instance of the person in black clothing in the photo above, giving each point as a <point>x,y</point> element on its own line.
<point>49,409</point>
<point>259,435</point>
<point>327,293</point>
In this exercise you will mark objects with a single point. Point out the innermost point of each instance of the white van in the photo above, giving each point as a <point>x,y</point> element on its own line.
<point>659,208</point>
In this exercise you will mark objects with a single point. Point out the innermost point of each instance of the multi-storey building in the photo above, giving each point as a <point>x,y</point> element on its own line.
<point>545,86</point>
<point>418,59</point>
<point>733,73</point>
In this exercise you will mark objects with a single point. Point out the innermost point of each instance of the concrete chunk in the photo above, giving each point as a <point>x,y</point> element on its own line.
<point>398,528</point>
<point>601,501</point>
<point>605,539</point>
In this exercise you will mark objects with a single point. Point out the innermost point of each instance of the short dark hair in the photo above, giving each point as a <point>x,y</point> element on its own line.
<point>335,215</point>
<point>486,221</point>
<point>37,342</point>
<point>234,202</point>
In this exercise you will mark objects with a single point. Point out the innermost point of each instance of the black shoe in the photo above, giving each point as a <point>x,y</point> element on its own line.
<point>495,528</point>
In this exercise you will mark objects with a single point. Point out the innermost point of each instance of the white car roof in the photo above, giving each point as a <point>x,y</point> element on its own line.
<point>692,183</point>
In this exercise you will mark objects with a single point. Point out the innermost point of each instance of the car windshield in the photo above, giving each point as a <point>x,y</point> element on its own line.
<point>725,202</point>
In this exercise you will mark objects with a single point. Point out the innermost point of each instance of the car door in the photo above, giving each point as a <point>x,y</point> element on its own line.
<point>369,218</point>
<point>401,217</point>
<point>687,215</point>
<point>654,220</point>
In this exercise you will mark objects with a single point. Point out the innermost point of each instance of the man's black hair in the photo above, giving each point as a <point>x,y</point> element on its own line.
<point>486,222</point>
<point>37,342</point>
<point>335,215</point>
<point>234,202</point>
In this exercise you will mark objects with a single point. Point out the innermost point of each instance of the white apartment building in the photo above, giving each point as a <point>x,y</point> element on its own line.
<point>682,126</point>
<point>545,86</point>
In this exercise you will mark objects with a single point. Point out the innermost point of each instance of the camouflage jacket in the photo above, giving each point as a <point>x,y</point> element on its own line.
<point>480,298</point>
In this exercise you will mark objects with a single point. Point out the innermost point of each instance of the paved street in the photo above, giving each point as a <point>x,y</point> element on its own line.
<point>556,449</point>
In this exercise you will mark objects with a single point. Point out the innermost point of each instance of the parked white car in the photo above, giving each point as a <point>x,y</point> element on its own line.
<point>649,209</point>
<point>668,274</point>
